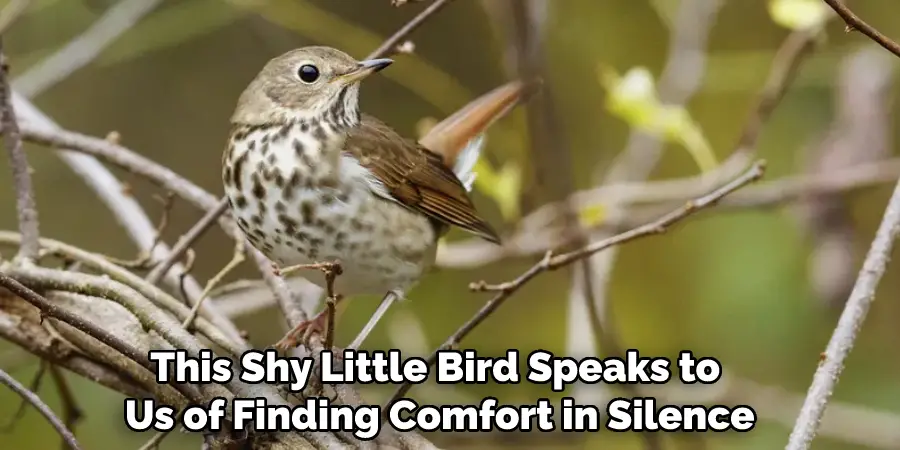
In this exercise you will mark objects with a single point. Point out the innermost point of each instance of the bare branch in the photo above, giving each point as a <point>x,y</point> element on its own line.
<point>848,327</point>
<point>72,413</point>
<point>383,307</point>
<point>532,240</point>
<point>152,293</point>
<point>855,23</point>
<point>551,262</point>
<point>23,329</point>
<point>186,241</point>
<point>25,205</point>
<point>42,407</point>
<point>785,66</point>
<point>35,386</point>
<point>236,259</point>
<point>126,209</point>
<point>391,43</point>
<point>52,310</point>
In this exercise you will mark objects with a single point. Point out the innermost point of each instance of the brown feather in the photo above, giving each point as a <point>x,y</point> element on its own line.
<point>415,177</point>
<point>451,135</point>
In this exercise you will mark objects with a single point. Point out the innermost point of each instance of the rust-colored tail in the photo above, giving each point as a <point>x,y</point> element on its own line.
<point>452,135</point>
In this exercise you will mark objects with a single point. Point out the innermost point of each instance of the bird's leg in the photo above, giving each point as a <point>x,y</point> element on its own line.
<point>386,303</point>
<point>322,324</point>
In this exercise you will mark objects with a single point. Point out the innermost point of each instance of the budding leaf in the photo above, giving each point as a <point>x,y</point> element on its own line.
<point>503,186</point>
<point>633,98</point>
<point>798,14</point>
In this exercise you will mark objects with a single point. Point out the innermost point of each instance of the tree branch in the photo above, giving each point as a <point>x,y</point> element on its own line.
<point>855,23</point>
<point>50,309</point>
<point>42,407</point>
<point>25,204</point>
<point>551,262</point>
<point>185,242</point>
<point>391,43</point>
<point>844,336</point>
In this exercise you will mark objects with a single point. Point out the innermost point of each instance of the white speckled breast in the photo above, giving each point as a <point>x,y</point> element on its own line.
<point>299,205</point>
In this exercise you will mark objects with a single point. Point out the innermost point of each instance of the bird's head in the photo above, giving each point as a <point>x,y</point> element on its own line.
<point>309,82</point>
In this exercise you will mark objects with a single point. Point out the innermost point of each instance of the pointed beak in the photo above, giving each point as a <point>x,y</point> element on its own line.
<point>363,70</point>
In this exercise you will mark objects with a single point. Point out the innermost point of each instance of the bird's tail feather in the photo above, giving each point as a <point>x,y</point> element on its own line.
<point>459,138</point>
<point>464,168</point>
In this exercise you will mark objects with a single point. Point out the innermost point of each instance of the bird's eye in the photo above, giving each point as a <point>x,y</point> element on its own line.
<point>308,73</point>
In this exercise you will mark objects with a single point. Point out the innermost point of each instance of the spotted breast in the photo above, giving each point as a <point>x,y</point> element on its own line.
<point>298,205</point>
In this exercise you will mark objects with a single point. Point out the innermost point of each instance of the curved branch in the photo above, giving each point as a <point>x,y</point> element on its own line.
<point>855,23</point>
<point>42,407</point>
<point>25,204</point>
<point>117,273</point>
<point>125,209</point>
<point>844,336</point>
<point>551,262</point>
<point>51,309</point>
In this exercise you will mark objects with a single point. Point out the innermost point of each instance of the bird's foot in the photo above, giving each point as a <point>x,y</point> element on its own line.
<point>303,332</point>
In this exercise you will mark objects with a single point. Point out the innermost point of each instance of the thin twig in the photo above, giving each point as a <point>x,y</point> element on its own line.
<point>391,43</point>
<point>185,242</point>
<point>42,407</point>
<point>25,204</point>
<point>287,303</point>
<point>153,443</point>
<point>146,256</point>
<point>35,339</point>
<point>680,80</point>
<point>72,413</point>
<point>35,386</point>
<point>127,211</point>
<point>236,259</point>
<point>855,23</point>
<point>551,262</point>
<point>785,67</point>
<point>383,307</point>
<point>844,336</point>
<point>532,240</point>
<point>159,297</point>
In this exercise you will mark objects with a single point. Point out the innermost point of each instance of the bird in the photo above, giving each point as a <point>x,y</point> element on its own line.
<point>309,178</point>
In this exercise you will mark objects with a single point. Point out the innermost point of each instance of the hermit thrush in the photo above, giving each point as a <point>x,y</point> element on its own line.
<point>310,179</point>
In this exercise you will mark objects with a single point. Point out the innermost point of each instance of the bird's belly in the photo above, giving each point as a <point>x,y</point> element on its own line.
<point>381,245</point>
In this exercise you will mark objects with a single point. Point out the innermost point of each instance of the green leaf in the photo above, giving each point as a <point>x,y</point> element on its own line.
<point>592,215</point>
<point>503,186</point>
<point>799,14</point>
<point>633,98</point>
<point>171,26</point>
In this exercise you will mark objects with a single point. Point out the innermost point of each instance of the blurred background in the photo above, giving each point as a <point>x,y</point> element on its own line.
<point>760,289</point>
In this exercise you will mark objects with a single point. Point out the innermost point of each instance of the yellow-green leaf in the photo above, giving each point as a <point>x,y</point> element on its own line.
<point>592,216</point>
<point>503,186</point>
<point>633,98</point>
<point>799,14</point>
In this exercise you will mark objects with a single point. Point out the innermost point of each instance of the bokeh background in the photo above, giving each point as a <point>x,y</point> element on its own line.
<point>732,284</point>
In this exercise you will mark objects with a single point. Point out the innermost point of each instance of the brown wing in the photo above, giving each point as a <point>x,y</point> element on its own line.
<point>415,177</point>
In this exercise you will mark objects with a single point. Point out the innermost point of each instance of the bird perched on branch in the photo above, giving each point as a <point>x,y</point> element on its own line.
<point>311,180</point>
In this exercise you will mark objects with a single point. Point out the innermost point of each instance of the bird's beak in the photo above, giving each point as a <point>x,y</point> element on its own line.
<point>363,70</point>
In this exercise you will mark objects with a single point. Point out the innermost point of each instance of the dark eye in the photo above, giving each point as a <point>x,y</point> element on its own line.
<point>308,73</point>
